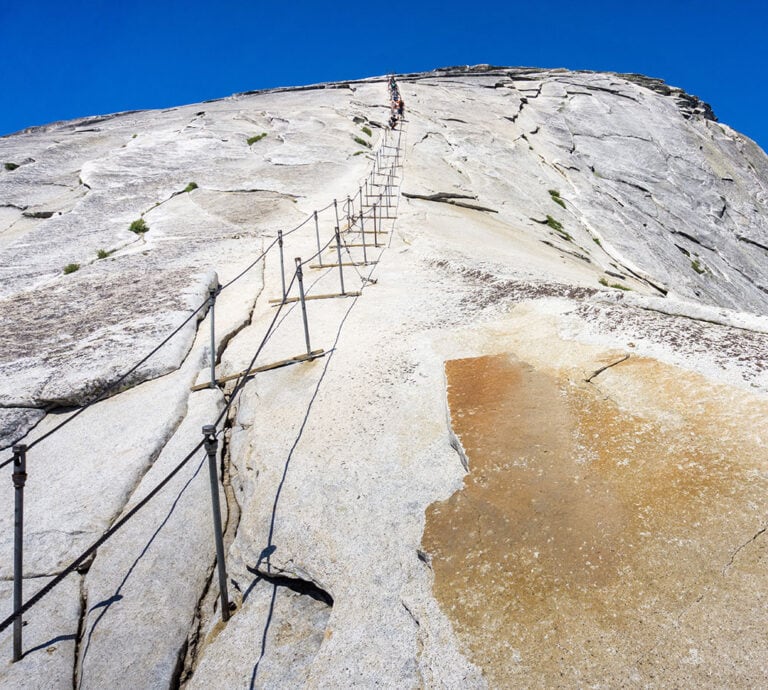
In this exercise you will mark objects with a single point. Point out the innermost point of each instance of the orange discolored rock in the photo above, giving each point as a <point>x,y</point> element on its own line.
<point>595,518</point>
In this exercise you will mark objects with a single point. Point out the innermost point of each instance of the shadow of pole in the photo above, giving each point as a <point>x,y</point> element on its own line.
<point>266,553</point>
<point>264,636</point>
<point>270,548</point>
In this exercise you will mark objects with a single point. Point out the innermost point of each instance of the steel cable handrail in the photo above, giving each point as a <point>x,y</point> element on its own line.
<point>74,565</point>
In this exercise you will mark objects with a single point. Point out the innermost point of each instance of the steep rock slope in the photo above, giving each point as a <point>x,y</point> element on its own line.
<point>377,534</point>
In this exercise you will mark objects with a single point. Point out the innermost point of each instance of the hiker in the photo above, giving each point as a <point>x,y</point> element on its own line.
<point>400,107</point>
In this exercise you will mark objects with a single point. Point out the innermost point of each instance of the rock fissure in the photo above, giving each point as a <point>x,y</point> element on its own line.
<point>450,198</point>
<point>693,239</point>
<point>741,547</point>
<point>754,243</point>
<point>605,89</point>
<point>80,632</point>
<point>599,371</point>
<point>298,585</point>
<point>195,642</point>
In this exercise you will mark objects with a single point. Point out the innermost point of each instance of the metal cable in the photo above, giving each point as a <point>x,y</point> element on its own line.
<point>250,266</point>
<point>244,377</point>
<point>322,249</point>
<point>111,387</point>
<point>72,567</point>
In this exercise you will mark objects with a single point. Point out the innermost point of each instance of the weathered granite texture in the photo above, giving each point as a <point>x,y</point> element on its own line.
<point>379,506</point>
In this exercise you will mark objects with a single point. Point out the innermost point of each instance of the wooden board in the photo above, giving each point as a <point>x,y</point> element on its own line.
<point>344,263</point>
<point>266,367</point>
<point>308,297</point>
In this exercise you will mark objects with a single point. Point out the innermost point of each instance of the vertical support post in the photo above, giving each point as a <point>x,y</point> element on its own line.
<point>212,292</point>
<point>375,236</point>
<point>211,445</point>
<point>282,263</point>
<point>362,234</point>
<point>317,236</point>
<point>349,204</point>
<point>360,193</point>
<point>366,190</point>
<point>300,278</point>
<point>336,211</point>
<point>19,479</point>
<point>338,254</point>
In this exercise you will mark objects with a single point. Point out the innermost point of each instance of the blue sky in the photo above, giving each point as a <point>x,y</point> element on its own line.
<point>74,58</point>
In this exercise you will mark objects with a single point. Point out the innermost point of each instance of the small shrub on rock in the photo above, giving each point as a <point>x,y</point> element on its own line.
<point>256,137</point>
<point>71,268</point>
<point>556,197</point>
<point>554,224</point>
<point>139,226</point>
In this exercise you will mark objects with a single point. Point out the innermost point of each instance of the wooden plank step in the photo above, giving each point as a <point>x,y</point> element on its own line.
<point>278,301</point>
<point>368,245</point>
<point>344,263</point>
<point>265,367</point>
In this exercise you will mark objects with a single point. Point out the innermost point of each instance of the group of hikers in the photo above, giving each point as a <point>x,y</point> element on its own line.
<point>397,104</point>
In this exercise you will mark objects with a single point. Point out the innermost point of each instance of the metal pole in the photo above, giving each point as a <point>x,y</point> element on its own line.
<point>362,234</point>
<point>349,203</point>
<point>375,236</point>
<point>317,235</point>
<point>360,192</point>
<point>336,211</point>
<point>366,190</point>
<point>19,477</point>
<point>212,292</point>
<point>282,265</point>
<point>300,278</point>
<point>211,445</point>
<point>341,268</point>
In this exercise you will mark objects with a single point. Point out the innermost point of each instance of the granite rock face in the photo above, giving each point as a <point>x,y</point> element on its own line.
<point>529,454</point>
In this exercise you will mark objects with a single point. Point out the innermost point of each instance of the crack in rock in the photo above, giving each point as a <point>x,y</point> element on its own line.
<point>599,371</point>
<point>296,584</point>
<point>450,198</point>
<point>743,546</point>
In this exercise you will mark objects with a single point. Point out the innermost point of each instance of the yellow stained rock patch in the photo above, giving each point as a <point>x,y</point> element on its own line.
<point>594,516</point>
